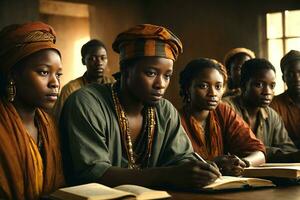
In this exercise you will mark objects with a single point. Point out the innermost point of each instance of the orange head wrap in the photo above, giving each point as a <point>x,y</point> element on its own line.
<point>20,40</point>
<point>147,40</point>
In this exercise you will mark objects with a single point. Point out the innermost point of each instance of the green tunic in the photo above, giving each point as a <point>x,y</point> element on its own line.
<point>270,130</point>
<point>92,139</point>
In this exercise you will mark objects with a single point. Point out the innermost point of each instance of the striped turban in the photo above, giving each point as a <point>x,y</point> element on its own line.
<point>286,60</point>
<point>236,51</point>
<point>20,40</point>
<point>147,40</point>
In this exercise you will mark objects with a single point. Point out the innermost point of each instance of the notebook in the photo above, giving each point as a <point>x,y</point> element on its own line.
<point>276,170</point>
<point>96,191</point>
<point>231,182</point>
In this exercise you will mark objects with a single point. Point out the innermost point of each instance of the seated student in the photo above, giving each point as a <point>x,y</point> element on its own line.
<point>94,56</point>
<point>216,131</point>
<point>257,84</point>
<point>30,160</point>
<point>233,62</point>
<point>287,104</point>
<point>126,132</point>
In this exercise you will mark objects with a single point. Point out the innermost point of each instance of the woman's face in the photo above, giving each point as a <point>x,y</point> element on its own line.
<point>149,78</point>
<point>206,89</point>
<point>38,80</point>
<point>259,90</point>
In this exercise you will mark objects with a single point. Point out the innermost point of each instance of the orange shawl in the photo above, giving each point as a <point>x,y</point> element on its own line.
<point>209,145</point>
<point>18,172</point>
<point>226,132</point>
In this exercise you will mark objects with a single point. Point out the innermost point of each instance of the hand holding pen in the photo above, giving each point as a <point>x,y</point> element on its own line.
<point>213,167</point>
<point>230,164</point>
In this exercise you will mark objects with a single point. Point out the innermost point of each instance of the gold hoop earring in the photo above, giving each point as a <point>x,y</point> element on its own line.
<point>11,90</point>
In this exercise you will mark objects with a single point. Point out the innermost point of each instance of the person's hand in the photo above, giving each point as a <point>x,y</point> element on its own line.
<point>193,175</point>
<point>230,165</point>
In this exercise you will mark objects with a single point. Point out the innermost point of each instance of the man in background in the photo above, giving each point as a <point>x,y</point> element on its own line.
<point>287,104</point>
<point>233,62</point>
<point>94,57</point>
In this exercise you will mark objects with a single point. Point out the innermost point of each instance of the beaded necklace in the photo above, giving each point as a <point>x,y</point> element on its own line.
<point>134,161</point>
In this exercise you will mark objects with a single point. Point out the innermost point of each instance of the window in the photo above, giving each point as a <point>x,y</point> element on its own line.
<point>283,35</point>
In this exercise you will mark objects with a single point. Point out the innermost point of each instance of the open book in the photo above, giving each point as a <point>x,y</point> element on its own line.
<point>231,182</point>
<point>96,191</point>
<point>277,170</point>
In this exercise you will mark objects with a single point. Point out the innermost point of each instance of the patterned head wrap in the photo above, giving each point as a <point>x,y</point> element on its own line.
<point>235,51</point>
<point>20,40</point>
<point>147,40</point>
<point>291,56</point>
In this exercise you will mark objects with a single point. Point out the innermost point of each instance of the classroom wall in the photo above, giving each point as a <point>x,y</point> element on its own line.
<point>108,18</point>
<point>207,28</point>
<point>211,28</point>
<point>18,11</point>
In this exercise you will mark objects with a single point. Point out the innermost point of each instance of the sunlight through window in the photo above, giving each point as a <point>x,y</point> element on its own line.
<point>79,68</point>
<point>283,35</point>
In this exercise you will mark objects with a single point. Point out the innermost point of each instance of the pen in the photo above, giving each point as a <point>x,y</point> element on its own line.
<point>247,163</point>
<point>199,157</point>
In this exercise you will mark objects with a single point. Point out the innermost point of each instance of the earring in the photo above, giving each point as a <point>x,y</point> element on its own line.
<point>11,90</point>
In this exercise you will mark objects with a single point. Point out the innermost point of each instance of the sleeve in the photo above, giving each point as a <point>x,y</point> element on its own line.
<point>239,139</point>
<point>82,126</point>
<point>281,142</point>
<point>64,94</point>
<point>176,147</point>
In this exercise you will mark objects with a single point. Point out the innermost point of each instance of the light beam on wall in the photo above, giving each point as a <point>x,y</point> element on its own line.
<point>79,68</point>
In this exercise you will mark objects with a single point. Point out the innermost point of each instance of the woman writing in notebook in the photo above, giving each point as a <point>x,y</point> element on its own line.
<point>217,133</point>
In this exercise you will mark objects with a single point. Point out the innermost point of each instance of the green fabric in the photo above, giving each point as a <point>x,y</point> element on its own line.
<point>270,130</point>
<point>92,139</point>
<point>72,86</point>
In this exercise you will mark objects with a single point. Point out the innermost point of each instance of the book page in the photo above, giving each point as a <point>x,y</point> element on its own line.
<point>258,182</point>
<point>91,191</point>
<point>231,182</point>
<point>143,193</point>
<point>227,182</point>
<point>280,165</point>
<point>282,171</point>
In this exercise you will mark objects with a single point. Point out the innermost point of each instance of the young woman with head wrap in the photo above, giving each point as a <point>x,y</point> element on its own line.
<point>213,127</point>
<point>126,132</point>
<point>29,73</point>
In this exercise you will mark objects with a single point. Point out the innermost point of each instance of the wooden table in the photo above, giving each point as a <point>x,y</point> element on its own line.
<point>278,193</point>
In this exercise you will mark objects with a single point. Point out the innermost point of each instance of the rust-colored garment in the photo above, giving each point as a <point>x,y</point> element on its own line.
<point>227,132</point>
<point>18,172</point>
<point>290,114</point>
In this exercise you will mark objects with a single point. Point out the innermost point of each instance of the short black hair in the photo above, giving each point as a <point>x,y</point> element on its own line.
<point>288,59</point>
<point>85,49</point>
<point>251,67</point>
<point>193,68</point>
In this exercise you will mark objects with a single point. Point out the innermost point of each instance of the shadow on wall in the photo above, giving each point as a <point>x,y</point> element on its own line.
<point>71,23</point>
